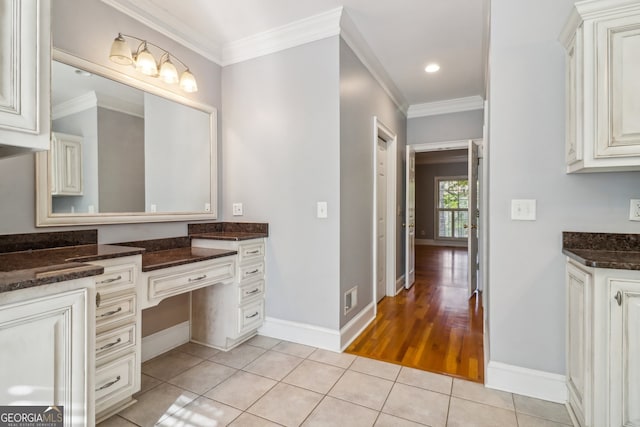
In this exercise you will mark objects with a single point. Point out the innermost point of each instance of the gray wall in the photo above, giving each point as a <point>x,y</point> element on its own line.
<point>281,155</point>
<point>445,127</point>
<point>362,98</point>
<point>425,194</point>
<point>527,122</point>
<point>121,155</point>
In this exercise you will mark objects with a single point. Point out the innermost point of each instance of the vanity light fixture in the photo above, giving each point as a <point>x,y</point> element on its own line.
<point>144,61</point>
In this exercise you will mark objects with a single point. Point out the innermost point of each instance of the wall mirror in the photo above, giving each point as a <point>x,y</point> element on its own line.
<point>123,151</point>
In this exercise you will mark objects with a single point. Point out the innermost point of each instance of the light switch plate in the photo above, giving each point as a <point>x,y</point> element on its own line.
<point>634,210</point>
<point>237,209</point>
<point>322,210</point>
<point>523,209</point>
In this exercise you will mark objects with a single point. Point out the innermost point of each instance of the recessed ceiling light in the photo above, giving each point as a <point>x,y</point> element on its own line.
<point>432,68</point>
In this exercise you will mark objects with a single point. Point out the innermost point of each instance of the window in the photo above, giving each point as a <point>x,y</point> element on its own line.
<point>452,205</point>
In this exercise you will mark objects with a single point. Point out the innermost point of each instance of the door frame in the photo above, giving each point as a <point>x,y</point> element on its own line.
<point>391,138</point>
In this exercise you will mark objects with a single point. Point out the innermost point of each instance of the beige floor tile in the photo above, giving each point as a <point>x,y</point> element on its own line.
<point>169,365</point>
<point>250,420</point>
<point>294,349</point>
<point>479,393</point>
<point>341,360</point>
<point>202,377</point>
<point>147,383</point>
<point>338,413</point>
<point>197,350</point>
<point>385,370</point>
<point>418,405</point>
<point>386,420</point>
<point>529,421</point>
<point>115,421</point>
<point>264,342</point>
<point>465,413</point>
<point>426,380</point>
<point>241,390</point>
<point>542,409</point>
<point>239,357</point>
<point>314,376</point>
<point>202,412</point>
<point>362,389</point>
<point>157,403</point>
<point>274,365</point>
<point>285,404</point>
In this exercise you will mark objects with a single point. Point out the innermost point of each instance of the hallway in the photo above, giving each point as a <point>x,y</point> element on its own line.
<point>432,326</point>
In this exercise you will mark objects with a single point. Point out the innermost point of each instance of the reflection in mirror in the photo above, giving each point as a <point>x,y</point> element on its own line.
<point>139,152</point>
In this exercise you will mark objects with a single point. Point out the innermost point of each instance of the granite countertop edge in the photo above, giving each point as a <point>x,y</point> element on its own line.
<point>231,236</point>
<point>603,258</point>
<point>159,260</point>
<point>70,271</point>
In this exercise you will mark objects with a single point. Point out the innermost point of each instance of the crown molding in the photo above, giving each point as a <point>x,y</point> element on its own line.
<point>455,105</point>
<point>296,33</point>
<point>74,105</point>
<point>360,47</point>
<point>147,13</point>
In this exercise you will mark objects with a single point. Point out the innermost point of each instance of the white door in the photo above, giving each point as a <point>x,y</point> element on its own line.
<point>410,220</point>
<point>381,219</point>
<point>472,222</point>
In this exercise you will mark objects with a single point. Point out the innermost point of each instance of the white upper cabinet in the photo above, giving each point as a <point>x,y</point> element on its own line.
<point>25,63</point>
<point>602,40</point>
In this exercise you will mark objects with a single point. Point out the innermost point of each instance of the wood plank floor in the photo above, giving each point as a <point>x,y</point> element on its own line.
<point>432,326</point>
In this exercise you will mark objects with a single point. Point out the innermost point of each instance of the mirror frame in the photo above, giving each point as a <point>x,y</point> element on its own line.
<point>44,215</point>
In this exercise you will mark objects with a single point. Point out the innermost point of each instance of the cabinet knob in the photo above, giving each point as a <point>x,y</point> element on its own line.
<point>618,298</point>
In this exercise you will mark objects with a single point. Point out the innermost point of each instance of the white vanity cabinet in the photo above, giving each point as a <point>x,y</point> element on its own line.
<point>225,315</point>
<point>46,345</point>
<point>66,164</point>
<point>25,62</point>
<point>602,40</point>
<point>603,345</point>
<point>118,336</point>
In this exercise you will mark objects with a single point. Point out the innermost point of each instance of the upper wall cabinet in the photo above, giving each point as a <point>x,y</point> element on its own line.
<point>602,40</point>
<point>25,58</point>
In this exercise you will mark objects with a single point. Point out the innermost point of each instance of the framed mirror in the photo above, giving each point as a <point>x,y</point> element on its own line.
<point>123,151</point>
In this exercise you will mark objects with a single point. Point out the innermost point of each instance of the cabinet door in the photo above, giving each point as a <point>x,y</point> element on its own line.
<point>618,86</point>
<point>44,354</point>
<point>579,342</point>
<point>625,353</point>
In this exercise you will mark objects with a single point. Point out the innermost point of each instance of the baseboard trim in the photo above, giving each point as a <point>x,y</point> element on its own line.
<point>165,340</point>
<point>432,242</point>
<point>301,333</point>
<point>355,326</point>
<point>527,382</point>
<point>400,284</point>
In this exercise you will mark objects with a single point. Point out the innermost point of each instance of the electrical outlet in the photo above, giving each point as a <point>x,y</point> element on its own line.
<point>634,210</point>
<point>321,210</point>
<point>237,209</point>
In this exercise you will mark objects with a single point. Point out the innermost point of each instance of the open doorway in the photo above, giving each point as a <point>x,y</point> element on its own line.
<point>436,324</point>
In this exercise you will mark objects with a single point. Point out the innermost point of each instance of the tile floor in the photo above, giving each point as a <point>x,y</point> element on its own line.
<point>266,382</point>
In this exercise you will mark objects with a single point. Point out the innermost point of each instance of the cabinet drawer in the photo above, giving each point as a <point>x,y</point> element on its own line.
<point>115,381</point>
<point>250,251</point>
<point>250,291</point>
<point>165,285</point>
<point>116,278</point>
<point>250,316</point>
<point>252,271</point>
<point>114,309</point>
<point>111,342</point>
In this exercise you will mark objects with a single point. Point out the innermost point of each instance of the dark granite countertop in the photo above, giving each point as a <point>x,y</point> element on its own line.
<point>180,256</point>
<point>229,230</point>
<point>228,235</point>
<point>603,250</point>
<point>25,269</point>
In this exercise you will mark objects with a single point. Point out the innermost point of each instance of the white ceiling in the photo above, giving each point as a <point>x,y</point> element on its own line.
<point>403,35</point>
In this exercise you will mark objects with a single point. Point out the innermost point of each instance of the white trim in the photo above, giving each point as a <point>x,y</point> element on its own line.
<point>443,145</point>
<point>432,242</point>
<point>455,105</point>
<point>301,333</point>
<point>355,326</point>
<point>400,284</point>
<point>74,105</point>
<point>354,39</point>
<point>162,341</point>
<point>296,33</point>
<point>527,382</point>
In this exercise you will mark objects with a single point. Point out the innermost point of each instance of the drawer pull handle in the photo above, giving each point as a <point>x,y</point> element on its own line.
<point>253,271</point>
<point>255,291</point>
<point>618,298</point>
<point>113,279</point>
<point>253,252</point>
<point>112,312</point>
<point>111,344</point>
<point>195,279</point>
<point>252,316</point>
<point>98,299</point>
<point>109,384</point>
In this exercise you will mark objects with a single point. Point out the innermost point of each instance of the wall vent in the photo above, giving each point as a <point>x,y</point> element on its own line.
<point>350,299</point>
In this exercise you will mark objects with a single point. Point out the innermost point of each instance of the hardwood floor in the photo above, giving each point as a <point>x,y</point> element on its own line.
<point>432,326</point>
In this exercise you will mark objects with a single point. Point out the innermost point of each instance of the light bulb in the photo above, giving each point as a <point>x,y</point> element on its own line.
<point>168,72</point>
<point>146,63</point>
<point>188,82</point>
<point>120,51</point>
